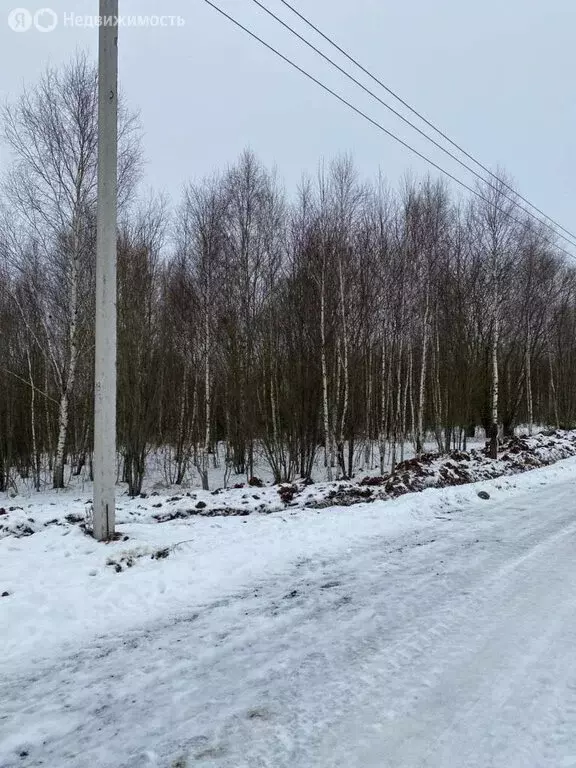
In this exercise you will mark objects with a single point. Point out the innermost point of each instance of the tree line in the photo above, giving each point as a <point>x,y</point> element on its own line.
<point>345,321</point>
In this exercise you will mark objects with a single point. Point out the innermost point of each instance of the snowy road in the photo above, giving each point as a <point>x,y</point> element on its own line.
<point>451,644</point>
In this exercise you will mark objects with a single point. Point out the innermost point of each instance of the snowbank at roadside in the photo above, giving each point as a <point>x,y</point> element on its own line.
<point>24,516</point>
<point>63,589</point>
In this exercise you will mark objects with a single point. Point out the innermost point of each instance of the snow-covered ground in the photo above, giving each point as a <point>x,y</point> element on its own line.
<point>161,469</point>
<point>435,629</point>
<point>23,514</point>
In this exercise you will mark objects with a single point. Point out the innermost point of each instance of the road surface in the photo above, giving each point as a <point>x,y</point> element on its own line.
<point>453,646</point>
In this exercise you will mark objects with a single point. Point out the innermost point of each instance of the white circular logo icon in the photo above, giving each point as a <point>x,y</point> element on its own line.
<point>45,20</point>
<point>20,20</point>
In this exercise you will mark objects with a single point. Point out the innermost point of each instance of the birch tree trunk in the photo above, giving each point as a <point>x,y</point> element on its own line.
<point>528,370</point>
<point>35,454</point>
<point>437,394</point>
<point>368,455</point>
<point>345,372</point>
<point>325,405</point>
<point>181,450</point>
<point>407,388</point>
<point>494,389</point>
<point>58,479</point>
<point>203,465</point>
<point>398,404</point>
<point>411,395</point>
<point>422,384</point>
<point>383,408</point>
<point>553,388</point>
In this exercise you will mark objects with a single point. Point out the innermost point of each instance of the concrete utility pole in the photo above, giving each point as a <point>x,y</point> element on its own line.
<point>105,368</point>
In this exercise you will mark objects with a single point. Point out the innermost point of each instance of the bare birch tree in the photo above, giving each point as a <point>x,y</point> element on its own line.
<point>51,131</point>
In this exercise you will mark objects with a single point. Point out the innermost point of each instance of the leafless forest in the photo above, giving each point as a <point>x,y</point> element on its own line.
<point>309,326</point>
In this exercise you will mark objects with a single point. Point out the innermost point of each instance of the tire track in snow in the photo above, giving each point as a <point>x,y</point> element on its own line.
<point>262,679</point>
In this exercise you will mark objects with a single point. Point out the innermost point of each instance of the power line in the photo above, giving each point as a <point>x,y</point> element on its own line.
<point>420,115</point>
<point>416,128</point>
<point>368,118</point>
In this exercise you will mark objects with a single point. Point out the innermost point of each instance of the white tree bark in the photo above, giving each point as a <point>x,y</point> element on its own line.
<point>494,389</point>
<point>368,455</point>
<point>423,371</point>
<point>35,456</point>
<point>383,407</point>
<point>345,370</point>
<point>70,376</point>
<point>325,405</point>
<point>181,458</point>
<point>407,390</point>
<point>205,458</point>
<point>528,369</point>
<point>437,394</point>
<point>553,393</point>
<point>207,389</point>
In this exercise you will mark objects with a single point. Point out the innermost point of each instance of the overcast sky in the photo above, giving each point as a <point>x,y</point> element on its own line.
<point>498,76</point>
